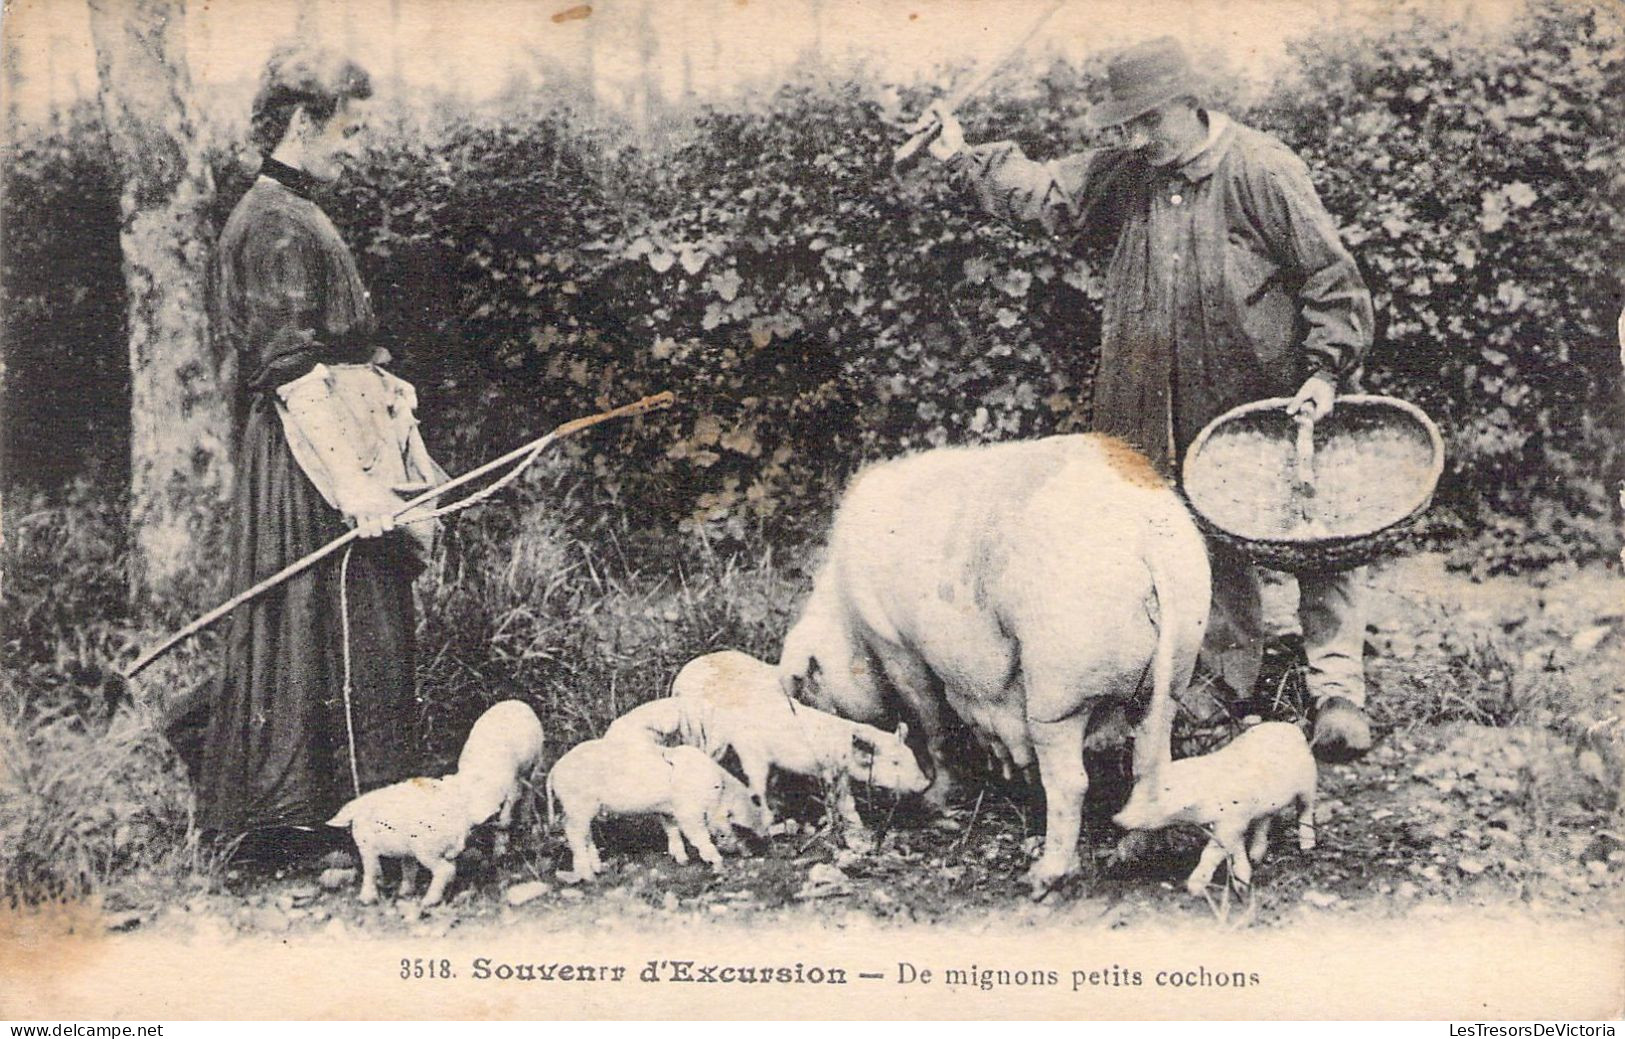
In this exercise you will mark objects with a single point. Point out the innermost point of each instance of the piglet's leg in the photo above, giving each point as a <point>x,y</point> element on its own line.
<point>1259,844</point>
<point>756,774</point>
<point>443,870</point>
<point>1306,821</point>
<point>369,874</point>
<point>505,813</point>
<point>578,834</point>
<point>674,841</point>
<point>692,824</point>
<point>409,878</point>
<point>846,806</point>
<point>1231,836</point>
<point>1206,866</point>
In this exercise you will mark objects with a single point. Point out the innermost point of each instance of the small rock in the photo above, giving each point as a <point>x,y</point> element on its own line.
<point>880,898</point>
<point>825,881</point>
<point>571,894</point>
<point>269,919</point>
<point>1381,814</point>
<point>1406,890</point>
<point>1470,866</point>
<point>1590,638</point>
<point>122,921</point>
<point>410,911</point>
<point>519,894</point>
<point>1321,899</point>
<point>947,825</point>
<point>1597,867</point>
<point>338,860</point>
<point>302,893</point>
<point>336,878</point>
<point>717,909</point>
<point>846,858</point>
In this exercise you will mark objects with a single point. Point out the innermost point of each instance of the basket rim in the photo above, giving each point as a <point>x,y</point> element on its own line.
<point>1421,501</point>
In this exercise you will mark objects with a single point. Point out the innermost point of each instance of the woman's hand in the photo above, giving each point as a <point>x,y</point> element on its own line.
<point>371,511</point>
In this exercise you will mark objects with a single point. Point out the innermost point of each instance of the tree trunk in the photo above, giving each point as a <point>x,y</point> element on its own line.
<point>180,425</point>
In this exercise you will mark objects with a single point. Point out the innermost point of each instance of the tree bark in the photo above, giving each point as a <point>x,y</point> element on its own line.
<point>180,424</point>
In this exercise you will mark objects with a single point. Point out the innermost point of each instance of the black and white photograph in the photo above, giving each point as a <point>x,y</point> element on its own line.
<point>812,509</point>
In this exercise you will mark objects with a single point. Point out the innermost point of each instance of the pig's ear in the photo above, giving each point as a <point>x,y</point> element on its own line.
<point>862,749</point>
<point>813,666</point>
<point>902,732</point>
<point>790,686</point>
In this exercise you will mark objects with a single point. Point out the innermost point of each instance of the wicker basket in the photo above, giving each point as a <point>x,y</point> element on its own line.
<point>1318,498</point>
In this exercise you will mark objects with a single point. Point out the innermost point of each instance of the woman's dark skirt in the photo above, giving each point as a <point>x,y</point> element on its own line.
<point>276,745</point>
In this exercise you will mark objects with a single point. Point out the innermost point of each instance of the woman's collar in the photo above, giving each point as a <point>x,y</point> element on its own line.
<point>295,180</point>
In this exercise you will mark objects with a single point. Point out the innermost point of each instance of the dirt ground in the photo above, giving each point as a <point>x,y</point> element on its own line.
<point>1513,807</point>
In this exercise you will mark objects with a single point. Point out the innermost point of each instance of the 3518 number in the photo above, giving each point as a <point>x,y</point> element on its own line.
<point>412,969</point>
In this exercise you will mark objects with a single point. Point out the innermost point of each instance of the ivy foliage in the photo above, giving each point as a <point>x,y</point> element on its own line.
<point>813,310</point>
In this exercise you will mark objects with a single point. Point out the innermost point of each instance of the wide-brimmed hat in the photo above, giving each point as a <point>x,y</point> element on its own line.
<point>1141,78</point>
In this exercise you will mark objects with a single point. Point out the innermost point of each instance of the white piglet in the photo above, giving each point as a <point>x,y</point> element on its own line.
<point>692,795</point>
<point>658,722</point>
<point>502,749</point>
<point>429,819</point>
<point>734,700</point>
<point>420,821</point>
<point>1237,787</point>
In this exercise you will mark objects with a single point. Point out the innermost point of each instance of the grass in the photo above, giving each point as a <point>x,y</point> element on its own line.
<point>569,606</point>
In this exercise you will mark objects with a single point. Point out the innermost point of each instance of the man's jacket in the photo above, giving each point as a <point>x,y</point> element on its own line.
<point>1227,282</point>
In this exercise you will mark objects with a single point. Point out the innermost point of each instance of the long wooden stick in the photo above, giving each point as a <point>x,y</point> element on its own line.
<point>926,125</point>
<point>647,404</point>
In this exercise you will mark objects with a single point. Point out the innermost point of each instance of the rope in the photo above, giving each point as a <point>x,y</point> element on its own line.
<point>481,495</point>
<point>655,402</point>
<point>344,626</point>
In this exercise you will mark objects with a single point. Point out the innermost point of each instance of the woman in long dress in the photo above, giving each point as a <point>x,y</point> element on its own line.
<point>285,743</point>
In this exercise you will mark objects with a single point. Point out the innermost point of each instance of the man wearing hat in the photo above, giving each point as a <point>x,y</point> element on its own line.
<point>1227,284</point>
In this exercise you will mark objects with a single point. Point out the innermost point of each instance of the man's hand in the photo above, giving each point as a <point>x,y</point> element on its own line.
<point>1315,399</point>
<point>950,138</point>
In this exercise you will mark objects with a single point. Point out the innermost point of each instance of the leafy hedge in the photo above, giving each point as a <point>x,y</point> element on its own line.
<point>813,311</point>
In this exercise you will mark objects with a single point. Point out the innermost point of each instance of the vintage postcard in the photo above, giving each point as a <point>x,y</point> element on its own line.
<point>816,509</point>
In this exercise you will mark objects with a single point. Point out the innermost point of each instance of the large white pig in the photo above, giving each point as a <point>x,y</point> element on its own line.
<point>1021,584</point>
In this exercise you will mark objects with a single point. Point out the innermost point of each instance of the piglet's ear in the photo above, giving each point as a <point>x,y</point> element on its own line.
<point>902,732</point>
<point>813,666</point>
<point>863,748</point>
